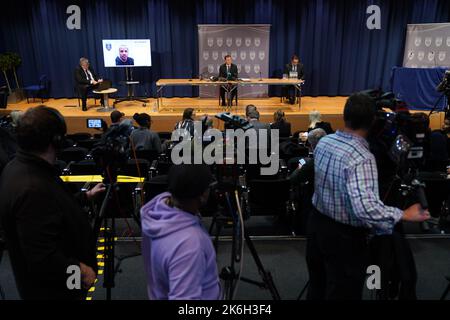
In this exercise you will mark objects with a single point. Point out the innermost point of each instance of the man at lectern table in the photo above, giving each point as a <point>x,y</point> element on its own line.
<point>86,80</point>
<point>293,70</point>
<point>228,71</point>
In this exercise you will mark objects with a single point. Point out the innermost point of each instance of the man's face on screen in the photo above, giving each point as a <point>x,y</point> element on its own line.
<point>123,53</point>
<point>295,62</point>
<point>85,65</point>
<point>228,60</point>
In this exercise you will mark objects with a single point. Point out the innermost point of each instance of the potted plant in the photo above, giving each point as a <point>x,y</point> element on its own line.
<point>10,61</point>
<point>5,66</point>
<point>15,61</point>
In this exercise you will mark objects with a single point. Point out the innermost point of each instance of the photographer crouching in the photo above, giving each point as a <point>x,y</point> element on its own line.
<point>347,207</point>
<point>45,228</point>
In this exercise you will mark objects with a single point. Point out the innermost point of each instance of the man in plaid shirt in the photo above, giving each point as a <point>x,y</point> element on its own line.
<point>347,207</point>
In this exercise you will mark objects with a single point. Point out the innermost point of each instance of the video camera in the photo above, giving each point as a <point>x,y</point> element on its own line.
<point>234,121</point>
<point>111,152</point>
<point>399,141</point>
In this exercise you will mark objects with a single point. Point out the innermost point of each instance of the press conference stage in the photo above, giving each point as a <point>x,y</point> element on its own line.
<point>171,111</point>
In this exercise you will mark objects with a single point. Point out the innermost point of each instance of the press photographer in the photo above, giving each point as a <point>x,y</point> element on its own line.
<point>403,146</point>
<point>347,207</point>
<point>46,230</point>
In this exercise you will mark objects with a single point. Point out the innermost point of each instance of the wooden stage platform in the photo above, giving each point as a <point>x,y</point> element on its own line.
<point>331,109</point>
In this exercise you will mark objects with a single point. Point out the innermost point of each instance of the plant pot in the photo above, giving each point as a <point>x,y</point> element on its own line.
<point>16,96</point>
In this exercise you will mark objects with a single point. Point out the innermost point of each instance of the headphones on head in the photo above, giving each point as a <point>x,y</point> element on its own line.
<point>61,130</point>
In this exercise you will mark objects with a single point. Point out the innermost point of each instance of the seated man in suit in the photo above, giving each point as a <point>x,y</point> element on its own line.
<point>295,67</point>
<point>228,71</point>
<point>123,59</point>
<point>86,79</point>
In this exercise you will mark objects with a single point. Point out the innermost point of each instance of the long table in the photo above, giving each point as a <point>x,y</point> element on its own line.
<point>228,86</point>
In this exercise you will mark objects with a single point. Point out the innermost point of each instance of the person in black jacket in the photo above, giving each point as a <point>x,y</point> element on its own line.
<point>228,71</point>
<point>143,137</point>
<point>281,124</point>
<point>86,79</point>
<point>45,228</point>
<point>295,67</point>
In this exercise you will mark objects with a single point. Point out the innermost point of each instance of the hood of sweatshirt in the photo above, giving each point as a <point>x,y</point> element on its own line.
<point>160,220</point>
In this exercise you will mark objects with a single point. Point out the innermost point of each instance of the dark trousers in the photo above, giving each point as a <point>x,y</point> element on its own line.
<point>223,95</point>
<point>336,256</point>
<point>83,92</point>
<point>291,94</point>
<point>393,255</point>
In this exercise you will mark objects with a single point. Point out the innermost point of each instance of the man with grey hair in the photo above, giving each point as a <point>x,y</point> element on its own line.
<point>305,171</point>
<point>315,121</point>
<point>314,136</point>
<point>253,119</point>
<point>86,80</point>
<point>302,179</point>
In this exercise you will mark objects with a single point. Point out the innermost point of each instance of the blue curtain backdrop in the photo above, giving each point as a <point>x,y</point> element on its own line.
<point>339,53</point>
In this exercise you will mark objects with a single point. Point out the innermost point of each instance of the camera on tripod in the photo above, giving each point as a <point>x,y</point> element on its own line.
<point>111,152</point>
<point>398,139</point>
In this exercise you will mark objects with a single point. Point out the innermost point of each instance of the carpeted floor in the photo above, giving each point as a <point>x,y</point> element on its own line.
<point>284,258</point>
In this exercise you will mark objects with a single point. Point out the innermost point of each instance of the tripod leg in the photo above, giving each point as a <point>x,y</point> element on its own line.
<point>303,290</point>
<point>213,223</point>
<point>2,294</point>
<point>217,235</point>
<point>445,293</point>
<point>265,275</point>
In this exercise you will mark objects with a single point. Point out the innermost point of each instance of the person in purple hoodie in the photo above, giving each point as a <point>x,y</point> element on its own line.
<point>179,256</point>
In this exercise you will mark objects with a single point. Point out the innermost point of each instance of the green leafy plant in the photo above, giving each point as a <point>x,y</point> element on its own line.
<point>5,66</point>
<point>15,61</point>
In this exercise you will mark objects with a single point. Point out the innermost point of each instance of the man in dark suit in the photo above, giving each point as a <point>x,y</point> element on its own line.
<point>47,232</point>
<point>86,79</point>
<point>228,71</point>
<point>295,69</point>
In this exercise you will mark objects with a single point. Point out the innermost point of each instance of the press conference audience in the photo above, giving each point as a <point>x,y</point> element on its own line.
<point>261,128</point>
<point>179,257</point>
<point>120,123</point>
<point>248,108</point>
<point>347,207</point>
<point>305,172</point>
<point>116,117</point>
<point>187,121</point>
<point>280,123</point>
<point>315,121</point>
<point>143,138</point>
<point>45,227</point>
<point>302,180</point>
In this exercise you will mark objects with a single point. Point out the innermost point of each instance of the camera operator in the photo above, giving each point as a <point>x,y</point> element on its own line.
<point>347,207</point>
<point>46,230</point>
<point>179,256</point>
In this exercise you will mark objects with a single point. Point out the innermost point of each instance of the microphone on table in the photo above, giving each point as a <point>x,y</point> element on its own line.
<point>260,76</point>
